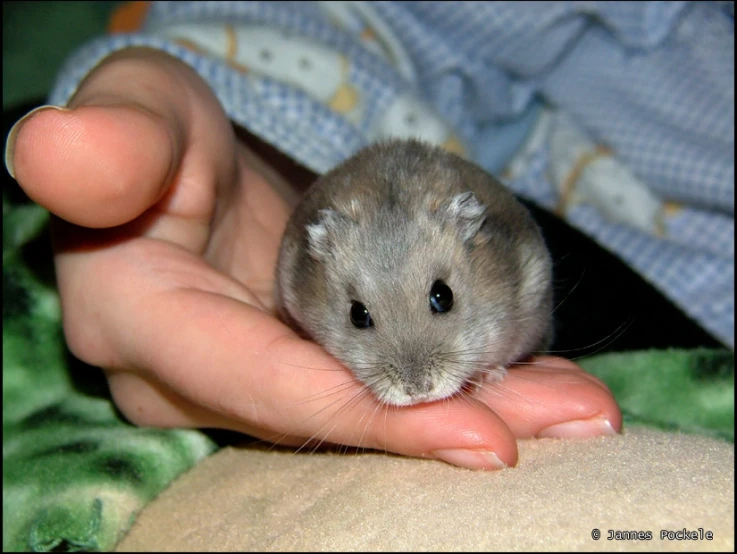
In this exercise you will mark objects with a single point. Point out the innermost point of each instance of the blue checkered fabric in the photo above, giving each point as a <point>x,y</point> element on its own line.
<point>654,81</point>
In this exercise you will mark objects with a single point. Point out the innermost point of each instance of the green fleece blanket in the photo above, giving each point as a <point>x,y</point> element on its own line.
<point>75,474</point>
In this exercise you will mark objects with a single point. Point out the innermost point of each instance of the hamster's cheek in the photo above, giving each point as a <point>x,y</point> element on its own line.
<point>483,341</point>
<point>358,352</point>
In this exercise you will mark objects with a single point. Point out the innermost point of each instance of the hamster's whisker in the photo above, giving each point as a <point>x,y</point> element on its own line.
<point>461,372</point>
<point>376,368</point>
<point>502,391</point>
<point>312,443</point>
<point>375,411</point>
<point>468,394</point>
<point>523,319</point>
<point>461,362</point>
<point>470,359</point>
<point>272,441</point>
<point>313,368</point>
<point>470,352</point>
<point>366,391</point>
<point>377,376</point>
<point>559,304</point>
<point>601,343</point>
<point>337,389</point>
<point>351,401</point>
<point>528,363</point>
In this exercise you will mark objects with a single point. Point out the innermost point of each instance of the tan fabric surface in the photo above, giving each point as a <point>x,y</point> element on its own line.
<point>644,480</point>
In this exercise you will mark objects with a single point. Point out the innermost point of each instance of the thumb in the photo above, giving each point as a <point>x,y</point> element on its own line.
<point>92,166</point>
<point>113,152</point>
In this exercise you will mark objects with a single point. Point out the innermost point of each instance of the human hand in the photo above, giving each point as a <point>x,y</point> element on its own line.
<point>166,240</point>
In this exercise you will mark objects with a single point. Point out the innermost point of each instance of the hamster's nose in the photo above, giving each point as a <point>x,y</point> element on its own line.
<point>415,371</point>
<point>419,386</point>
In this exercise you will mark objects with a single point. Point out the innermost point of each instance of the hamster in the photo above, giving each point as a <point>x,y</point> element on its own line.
<point>417,270</point>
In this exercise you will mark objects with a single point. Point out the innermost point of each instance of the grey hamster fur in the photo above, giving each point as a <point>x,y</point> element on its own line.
<point>382,229</point>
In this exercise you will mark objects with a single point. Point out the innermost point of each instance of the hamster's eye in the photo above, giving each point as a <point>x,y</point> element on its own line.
<point>441,298</point>
<point>360,316</point>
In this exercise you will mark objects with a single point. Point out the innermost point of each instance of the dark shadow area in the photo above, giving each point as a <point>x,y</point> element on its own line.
<point>603,304</point>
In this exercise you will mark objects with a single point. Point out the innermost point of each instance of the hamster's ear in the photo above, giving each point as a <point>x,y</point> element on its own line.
<point>321,233</point>
<point>466,213</point>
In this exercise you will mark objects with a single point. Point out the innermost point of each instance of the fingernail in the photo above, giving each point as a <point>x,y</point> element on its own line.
<point>593,427</point>
<point>13,134</point>
<point>470,459</point>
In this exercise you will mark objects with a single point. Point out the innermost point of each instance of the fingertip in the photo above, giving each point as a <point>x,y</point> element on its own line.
<point>471,459</point>
<point>15,130</point>
<point>93,166</point>
<point>555,398</point>
<point>593,427</point>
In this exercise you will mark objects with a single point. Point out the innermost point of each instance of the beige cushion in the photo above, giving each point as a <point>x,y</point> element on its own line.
<point>643,480</point>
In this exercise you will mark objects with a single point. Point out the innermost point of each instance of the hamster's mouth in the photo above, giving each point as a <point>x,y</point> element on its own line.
<point>399,391</point>
<point>480,379</point>
<point>397,395</point>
